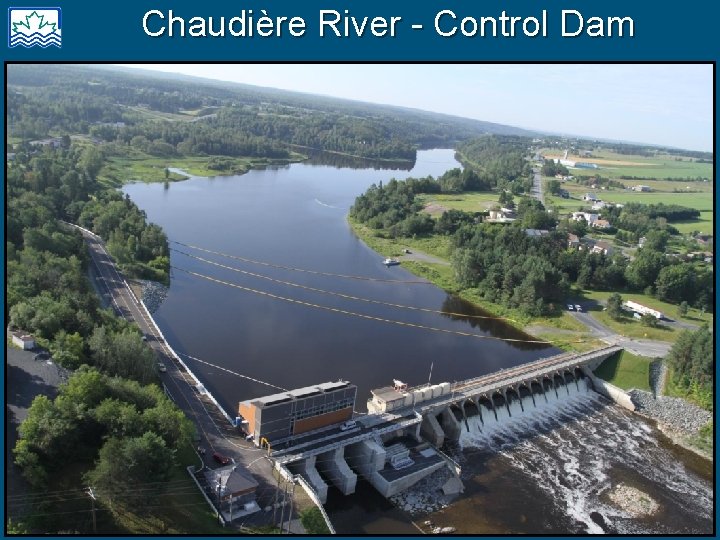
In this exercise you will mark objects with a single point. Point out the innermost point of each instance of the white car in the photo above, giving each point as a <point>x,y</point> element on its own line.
<point>350,424</point>
<point>570,307</point>
<point>161,367</point>
<point>578,307</point>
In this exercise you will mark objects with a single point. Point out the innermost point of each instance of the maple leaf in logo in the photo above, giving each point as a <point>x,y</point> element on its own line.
<point>34,23</point>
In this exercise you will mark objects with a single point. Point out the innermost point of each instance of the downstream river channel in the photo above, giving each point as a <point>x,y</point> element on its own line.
<point>550,473</point>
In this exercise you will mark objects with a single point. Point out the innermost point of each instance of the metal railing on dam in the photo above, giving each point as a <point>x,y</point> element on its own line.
<point>505,378</point>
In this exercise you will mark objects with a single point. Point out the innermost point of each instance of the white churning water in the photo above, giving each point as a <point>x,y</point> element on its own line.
<point>572,446</point>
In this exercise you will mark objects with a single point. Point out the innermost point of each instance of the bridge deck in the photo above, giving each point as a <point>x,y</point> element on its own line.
<point>509,377</point>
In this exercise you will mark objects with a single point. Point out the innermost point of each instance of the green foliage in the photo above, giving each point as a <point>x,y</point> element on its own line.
<point>313,522</point>
<point>499,160</point>
<point>683,309</point>
<point>614,306</point>
<point>649,320</point>
<point>132,469</point>
<point>91,410</point>
<point>691,359</point>
<point>551,168</point>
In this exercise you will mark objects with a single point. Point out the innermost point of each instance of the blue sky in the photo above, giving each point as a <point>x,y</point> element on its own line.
<point>648,103</point>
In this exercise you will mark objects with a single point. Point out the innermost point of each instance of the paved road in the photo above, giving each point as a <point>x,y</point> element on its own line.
<point>537,189</point>
<point>216,434</point>
<point>642,347</point>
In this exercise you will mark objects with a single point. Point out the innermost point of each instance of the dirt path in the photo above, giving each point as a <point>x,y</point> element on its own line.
<point>419,256</point>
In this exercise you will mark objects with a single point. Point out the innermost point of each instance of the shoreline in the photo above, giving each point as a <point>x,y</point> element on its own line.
<point>444,281</point>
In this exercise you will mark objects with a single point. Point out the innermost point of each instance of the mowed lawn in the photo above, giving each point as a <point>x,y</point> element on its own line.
<point>626,371</point>
<point>470,201</point>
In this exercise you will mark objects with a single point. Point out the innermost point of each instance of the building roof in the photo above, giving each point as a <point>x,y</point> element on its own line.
<point>234,478</point>
<point>387,393</point>
<point>298,393</point>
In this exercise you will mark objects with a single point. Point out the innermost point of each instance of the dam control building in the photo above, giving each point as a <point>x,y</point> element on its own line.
<point>286,414</point>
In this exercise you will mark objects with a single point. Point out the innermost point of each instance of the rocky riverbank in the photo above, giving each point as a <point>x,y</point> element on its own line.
<point>153,294</point>
<point>426,496</point>
<point>678,419</point>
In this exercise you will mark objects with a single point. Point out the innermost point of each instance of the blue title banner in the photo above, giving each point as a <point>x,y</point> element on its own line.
<point>341,30</point>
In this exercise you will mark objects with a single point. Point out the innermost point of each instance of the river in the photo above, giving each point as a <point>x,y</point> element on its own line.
<point>294,218</point>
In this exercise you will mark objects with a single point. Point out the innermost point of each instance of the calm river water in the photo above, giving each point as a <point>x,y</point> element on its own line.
<point>525,479</point>
<point>295,216</point>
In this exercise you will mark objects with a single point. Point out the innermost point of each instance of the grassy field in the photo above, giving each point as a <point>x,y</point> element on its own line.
<point>694,316</point>
<point>702,201</point>
<point>632,328</point>
<point>660,166</point>
<point>471,201</point>
<point>626,371</point>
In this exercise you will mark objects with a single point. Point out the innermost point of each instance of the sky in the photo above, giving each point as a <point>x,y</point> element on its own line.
<point>663,104</point>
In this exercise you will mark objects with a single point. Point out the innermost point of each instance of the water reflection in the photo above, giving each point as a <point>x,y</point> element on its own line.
<point>491,325</point>
<point>341,161</point>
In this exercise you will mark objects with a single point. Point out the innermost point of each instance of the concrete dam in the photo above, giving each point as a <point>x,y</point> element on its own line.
<point>399,441</point>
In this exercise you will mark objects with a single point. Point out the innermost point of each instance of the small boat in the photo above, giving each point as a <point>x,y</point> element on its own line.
<point>391,262</point>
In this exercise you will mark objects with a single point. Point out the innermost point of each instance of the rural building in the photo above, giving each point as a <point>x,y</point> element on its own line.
<point>234,488</point>
<point>601,224</point>
<point>291,413</point>
<point>573,241</point>
<point>642,188</point>
<point>536,233</point>
<point>590,197</point>
<point>602,247</point>
<point>504,215</point>
<point>642,310</point>
<point>25,341</point>
<point>54,142</point>
<point>587,216</point>
<point>599,205</point>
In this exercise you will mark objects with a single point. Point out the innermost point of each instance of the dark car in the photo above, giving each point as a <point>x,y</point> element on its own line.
<point>222,460</point>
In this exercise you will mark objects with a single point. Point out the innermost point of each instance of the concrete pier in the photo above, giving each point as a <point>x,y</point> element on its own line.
<point>333,465</point>
<point>306,469</point>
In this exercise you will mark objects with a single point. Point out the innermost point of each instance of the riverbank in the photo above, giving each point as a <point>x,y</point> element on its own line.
<point>678,419</point>
<point>137,166</point>
<point>430,259</point>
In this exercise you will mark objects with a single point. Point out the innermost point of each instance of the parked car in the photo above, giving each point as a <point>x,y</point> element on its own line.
<point>350,424</point>
<point>578,307</point>
<point>570,307</point>
<point>161,367</point>
<point>221,459</point>
<point>144,338</point>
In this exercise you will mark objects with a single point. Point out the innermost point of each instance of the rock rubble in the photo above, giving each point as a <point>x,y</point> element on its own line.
<point>153,294</point>
<point>678,414</point>
<point>426,496</point>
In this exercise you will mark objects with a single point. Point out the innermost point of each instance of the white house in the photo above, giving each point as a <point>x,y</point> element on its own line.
<point>23,340</point>
<point>590,197</point>
<point>587,216</point>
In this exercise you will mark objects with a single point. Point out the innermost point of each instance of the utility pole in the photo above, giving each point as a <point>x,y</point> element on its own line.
<point>275,505</point>
<point>292,498</point>
<point>92,498</point>
<point>282,508</point>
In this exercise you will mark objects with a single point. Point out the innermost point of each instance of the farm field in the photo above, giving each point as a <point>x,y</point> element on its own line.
<point>643,167</point>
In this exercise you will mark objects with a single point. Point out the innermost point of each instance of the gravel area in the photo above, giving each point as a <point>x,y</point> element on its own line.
<point>678,414</point>
<point>426,496</point>
<point>153,294</point>
<point>633,501</point>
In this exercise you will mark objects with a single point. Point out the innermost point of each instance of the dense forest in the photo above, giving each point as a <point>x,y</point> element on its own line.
<point>501,159</point>
<point>168,115</point>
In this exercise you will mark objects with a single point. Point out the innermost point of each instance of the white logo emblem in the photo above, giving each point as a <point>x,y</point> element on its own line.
<point>30,27</point>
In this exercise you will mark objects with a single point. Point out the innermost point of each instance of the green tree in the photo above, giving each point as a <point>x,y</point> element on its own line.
<point>683,309</point>
<point>614,306</point>
<point>132,470</point>
<point>649,320</point>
